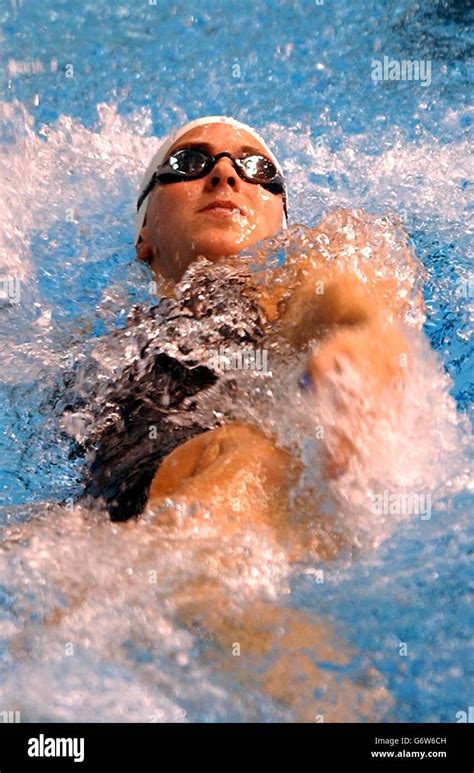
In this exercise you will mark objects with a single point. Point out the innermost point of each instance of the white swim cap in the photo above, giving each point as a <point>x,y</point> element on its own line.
<point>162,151</point>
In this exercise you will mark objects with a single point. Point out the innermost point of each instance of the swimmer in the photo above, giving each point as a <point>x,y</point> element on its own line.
<point>213,190</point>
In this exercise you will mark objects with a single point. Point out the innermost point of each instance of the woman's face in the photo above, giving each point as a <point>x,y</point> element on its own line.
<point>178,228</point>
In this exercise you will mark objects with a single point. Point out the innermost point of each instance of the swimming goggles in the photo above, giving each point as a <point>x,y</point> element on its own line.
<point>191,164</point>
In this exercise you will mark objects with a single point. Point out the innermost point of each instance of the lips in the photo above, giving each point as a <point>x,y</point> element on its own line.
<point>222,204</point>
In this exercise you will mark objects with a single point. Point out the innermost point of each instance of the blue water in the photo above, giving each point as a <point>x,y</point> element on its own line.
<point>86,90</point>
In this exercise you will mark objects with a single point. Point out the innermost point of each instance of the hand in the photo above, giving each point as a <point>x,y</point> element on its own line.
<point>356,376</point>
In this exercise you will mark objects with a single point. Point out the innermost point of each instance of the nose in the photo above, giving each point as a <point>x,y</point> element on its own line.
<point>222,175</point>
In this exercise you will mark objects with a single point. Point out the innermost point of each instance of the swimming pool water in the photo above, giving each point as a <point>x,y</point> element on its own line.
<point>86,91</point>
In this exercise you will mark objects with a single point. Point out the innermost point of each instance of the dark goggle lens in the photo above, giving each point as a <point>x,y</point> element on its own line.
<point>188,161</point>
<point>258,168</point>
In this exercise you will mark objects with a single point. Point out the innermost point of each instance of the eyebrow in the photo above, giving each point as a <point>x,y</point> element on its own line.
<point>208,147</point>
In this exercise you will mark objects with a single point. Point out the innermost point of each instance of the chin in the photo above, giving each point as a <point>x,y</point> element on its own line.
<point>221,245</point>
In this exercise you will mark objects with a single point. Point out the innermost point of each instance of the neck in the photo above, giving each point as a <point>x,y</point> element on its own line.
<point>164,285</point>
<point>169,268</point>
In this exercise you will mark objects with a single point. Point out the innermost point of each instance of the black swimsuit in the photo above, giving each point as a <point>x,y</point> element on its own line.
<point>141,415</point>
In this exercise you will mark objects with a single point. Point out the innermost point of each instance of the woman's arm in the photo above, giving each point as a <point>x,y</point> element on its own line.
<point>358,271</point>
<point>350,294</point>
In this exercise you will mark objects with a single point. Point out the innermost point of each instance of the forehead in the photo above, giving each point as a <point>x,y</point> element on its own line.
<point>220,137</point>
